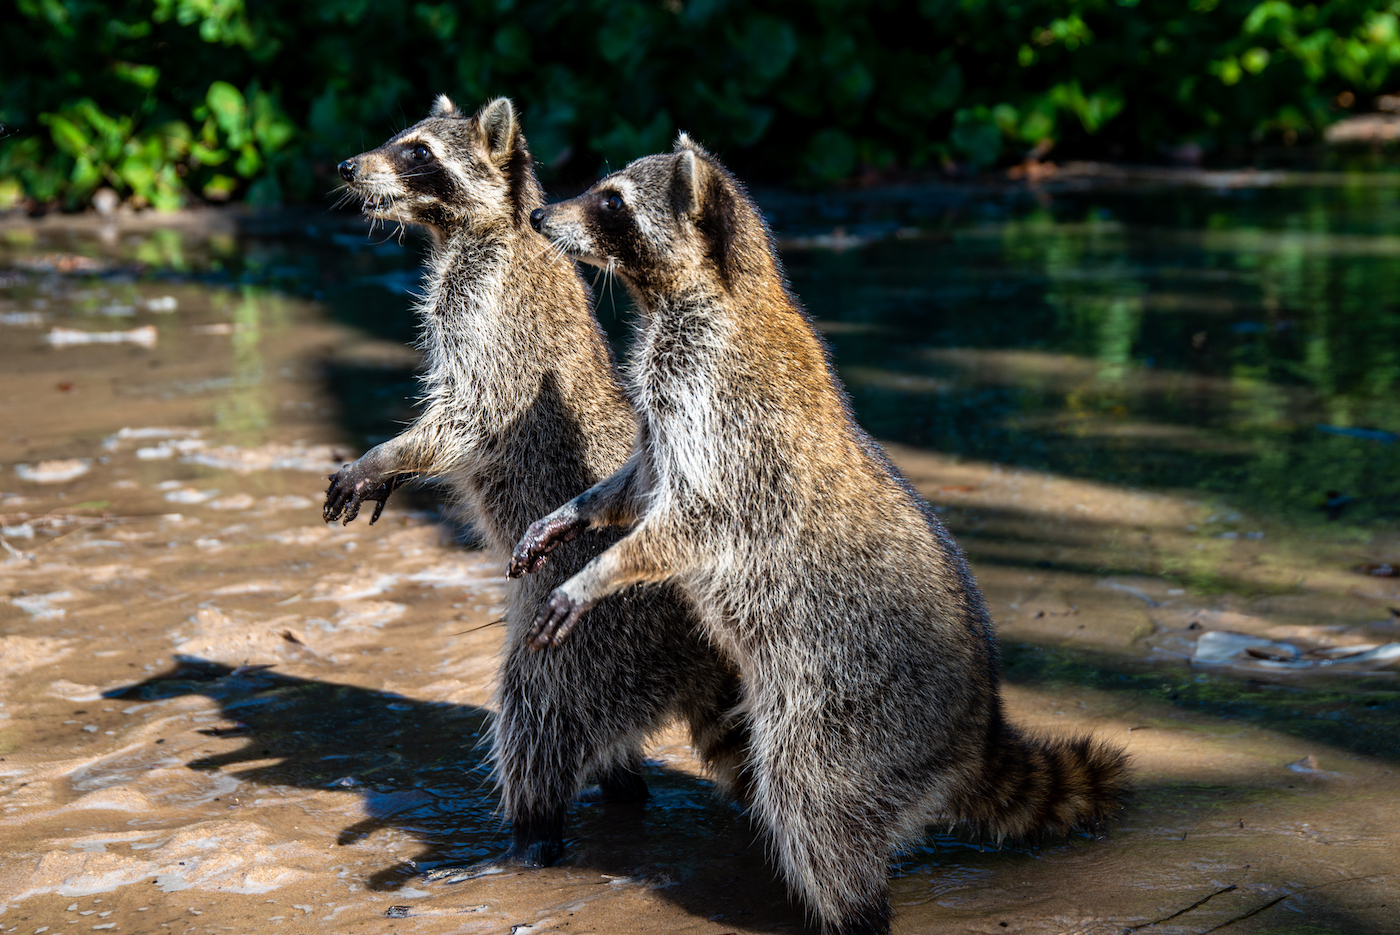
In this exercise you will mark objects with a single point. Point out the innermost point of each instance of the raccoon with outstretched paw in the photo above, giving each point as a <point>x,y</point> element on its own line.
<point>870,665</point>
<point>522,410</point>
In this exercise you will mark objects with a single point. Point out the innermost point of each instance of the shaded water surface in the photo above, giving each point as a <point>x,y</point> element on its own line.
<point>1136,410</point>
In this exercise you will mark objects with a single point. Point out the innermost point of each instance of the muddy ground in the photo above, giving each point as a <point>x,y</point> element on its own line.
<point>218,714</point>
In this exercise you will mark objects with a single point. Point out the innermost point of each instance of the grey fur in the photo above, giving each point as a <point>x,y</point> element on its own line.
<point>523,410</point>
<point>870,664</point>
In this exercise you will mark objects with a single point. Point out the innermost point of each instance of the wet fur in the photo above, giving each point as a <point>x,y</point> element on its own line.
<point>522,410</point>
<point>870,663</point>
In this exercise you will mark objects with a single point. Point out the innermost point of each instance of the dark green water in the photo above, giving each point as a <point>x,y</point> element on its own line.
<point>1173,338</point>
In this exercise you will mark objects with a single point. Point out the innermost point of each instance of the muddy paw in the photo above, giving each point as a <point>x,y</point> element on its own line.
<point>543,536</point>
<point>357,482</point>
<point>557,619</point>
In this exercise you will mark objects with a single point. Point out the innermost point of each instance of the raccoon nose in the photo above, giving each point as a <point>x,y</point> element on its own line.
<point>347,170</point>
<point>537,218</point>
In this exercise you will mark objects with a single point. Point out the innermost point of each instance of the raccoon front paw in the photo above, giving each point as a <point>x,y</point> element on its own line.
<point>355,483</point>
<point>543,536</point>
<point>557,619</point>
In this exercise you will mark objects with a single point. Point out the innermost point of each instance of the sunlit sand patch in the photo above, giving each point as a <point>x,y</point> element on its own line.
<point>302,535</point>
<point>362,614</point>
<point>72,691</point>
<point>190,496</point>
<point>54,472</point>
<point>20,654</point>
<point>273,456</point>
<point>255,586</point>
<point>214,634</point>
<point>42,606</point>
<point>224,856</point>
<point>115,574</point>
<point>350,586</point>
<point>460,573</point>
<point>288,503</point>
<point>145,336</point>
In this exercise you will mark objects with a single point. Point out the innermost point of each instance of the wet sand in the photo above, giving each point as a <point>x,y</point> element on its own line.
<point>219,714</point>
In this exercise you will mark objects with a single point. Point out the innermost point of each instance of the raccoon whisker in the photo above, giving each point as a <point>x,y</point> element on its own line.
<point>346,195</point>
<point>546,248</point>
<point>559,254</point>
<point>610,272</point>
<point>552,249</point>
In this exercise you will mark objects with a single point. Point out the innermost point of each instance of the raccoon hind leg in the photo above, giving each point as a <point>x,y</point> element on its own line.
<point>621,783</point>
<point>832,839</point>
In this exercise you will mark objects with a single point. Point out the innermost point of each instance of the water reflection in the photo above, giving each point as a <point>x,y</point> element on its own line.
<point>244,407</point>
<point>1188,338</point>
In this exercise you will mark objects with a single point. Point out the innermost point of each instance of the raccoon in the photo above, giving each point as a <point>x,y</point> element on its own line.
<point>870,666</point>
<point>523,409</point>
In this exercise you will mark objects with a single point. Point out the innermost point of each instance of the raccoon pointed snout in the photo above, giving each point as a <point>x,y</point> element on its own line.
<point>537,219</point>
<point>347,170</point>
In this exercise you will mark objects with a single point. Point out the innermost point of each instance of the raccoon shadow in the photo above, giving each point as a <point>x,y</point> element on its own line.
<point>420,768</point>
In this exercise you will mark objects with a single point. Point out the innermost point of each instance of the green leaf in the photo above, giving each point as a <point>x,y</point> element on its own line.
<point>143,76</point>
<point>67,136</point>
<point>249,162</point>
<point>207,156</point>
<point>271,128</point>
<point>1255,60</point>
<point>227,106</point>
<point>219,188</point>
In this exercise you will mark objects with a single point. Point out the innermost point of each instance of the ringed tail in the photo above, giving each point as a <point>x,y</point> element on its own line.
<point>1031,786</point>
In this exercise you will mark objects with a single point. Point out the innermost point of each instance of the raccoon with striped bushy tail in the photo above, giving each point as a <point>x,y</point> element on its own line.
<point>522,410</point>
<point>870,666</point>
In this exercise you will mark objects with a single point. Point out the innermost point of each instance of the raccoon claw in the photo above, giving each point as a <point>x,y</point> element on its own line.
<point>543,536</point>
<point>355,483</point>
<point>557,620</point>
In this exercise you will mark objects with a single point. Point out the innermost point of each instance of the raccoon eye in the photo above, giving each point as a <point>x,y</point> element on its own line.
<point>613,203</point>
<point>420,153</point>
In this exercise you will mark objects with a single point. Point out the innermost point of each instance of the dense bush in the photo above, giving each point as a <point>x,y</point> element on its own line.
<point>168,99</point>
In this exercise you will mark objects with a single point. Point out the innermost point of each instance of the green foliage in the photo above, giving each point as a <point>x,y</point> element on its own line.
<point>165,100</point>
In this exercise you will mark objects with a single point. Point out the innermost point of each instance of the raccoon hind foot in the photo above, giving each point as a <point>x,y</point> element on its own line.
<point>620,786</point>
<point>530,856</point>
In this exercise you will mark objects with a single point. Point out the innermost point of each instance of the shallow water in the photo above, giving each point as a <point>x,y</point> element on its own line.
<point>1035,360</point>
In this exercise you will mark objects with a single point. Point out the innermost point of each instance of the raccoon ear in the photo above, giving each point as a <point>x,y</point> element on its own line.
<point>506,147</point>
<point>499,125</point>
<point>685,187</point>
<point>683,141</point>
<point>443,107</point>
<point>701,192</point>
